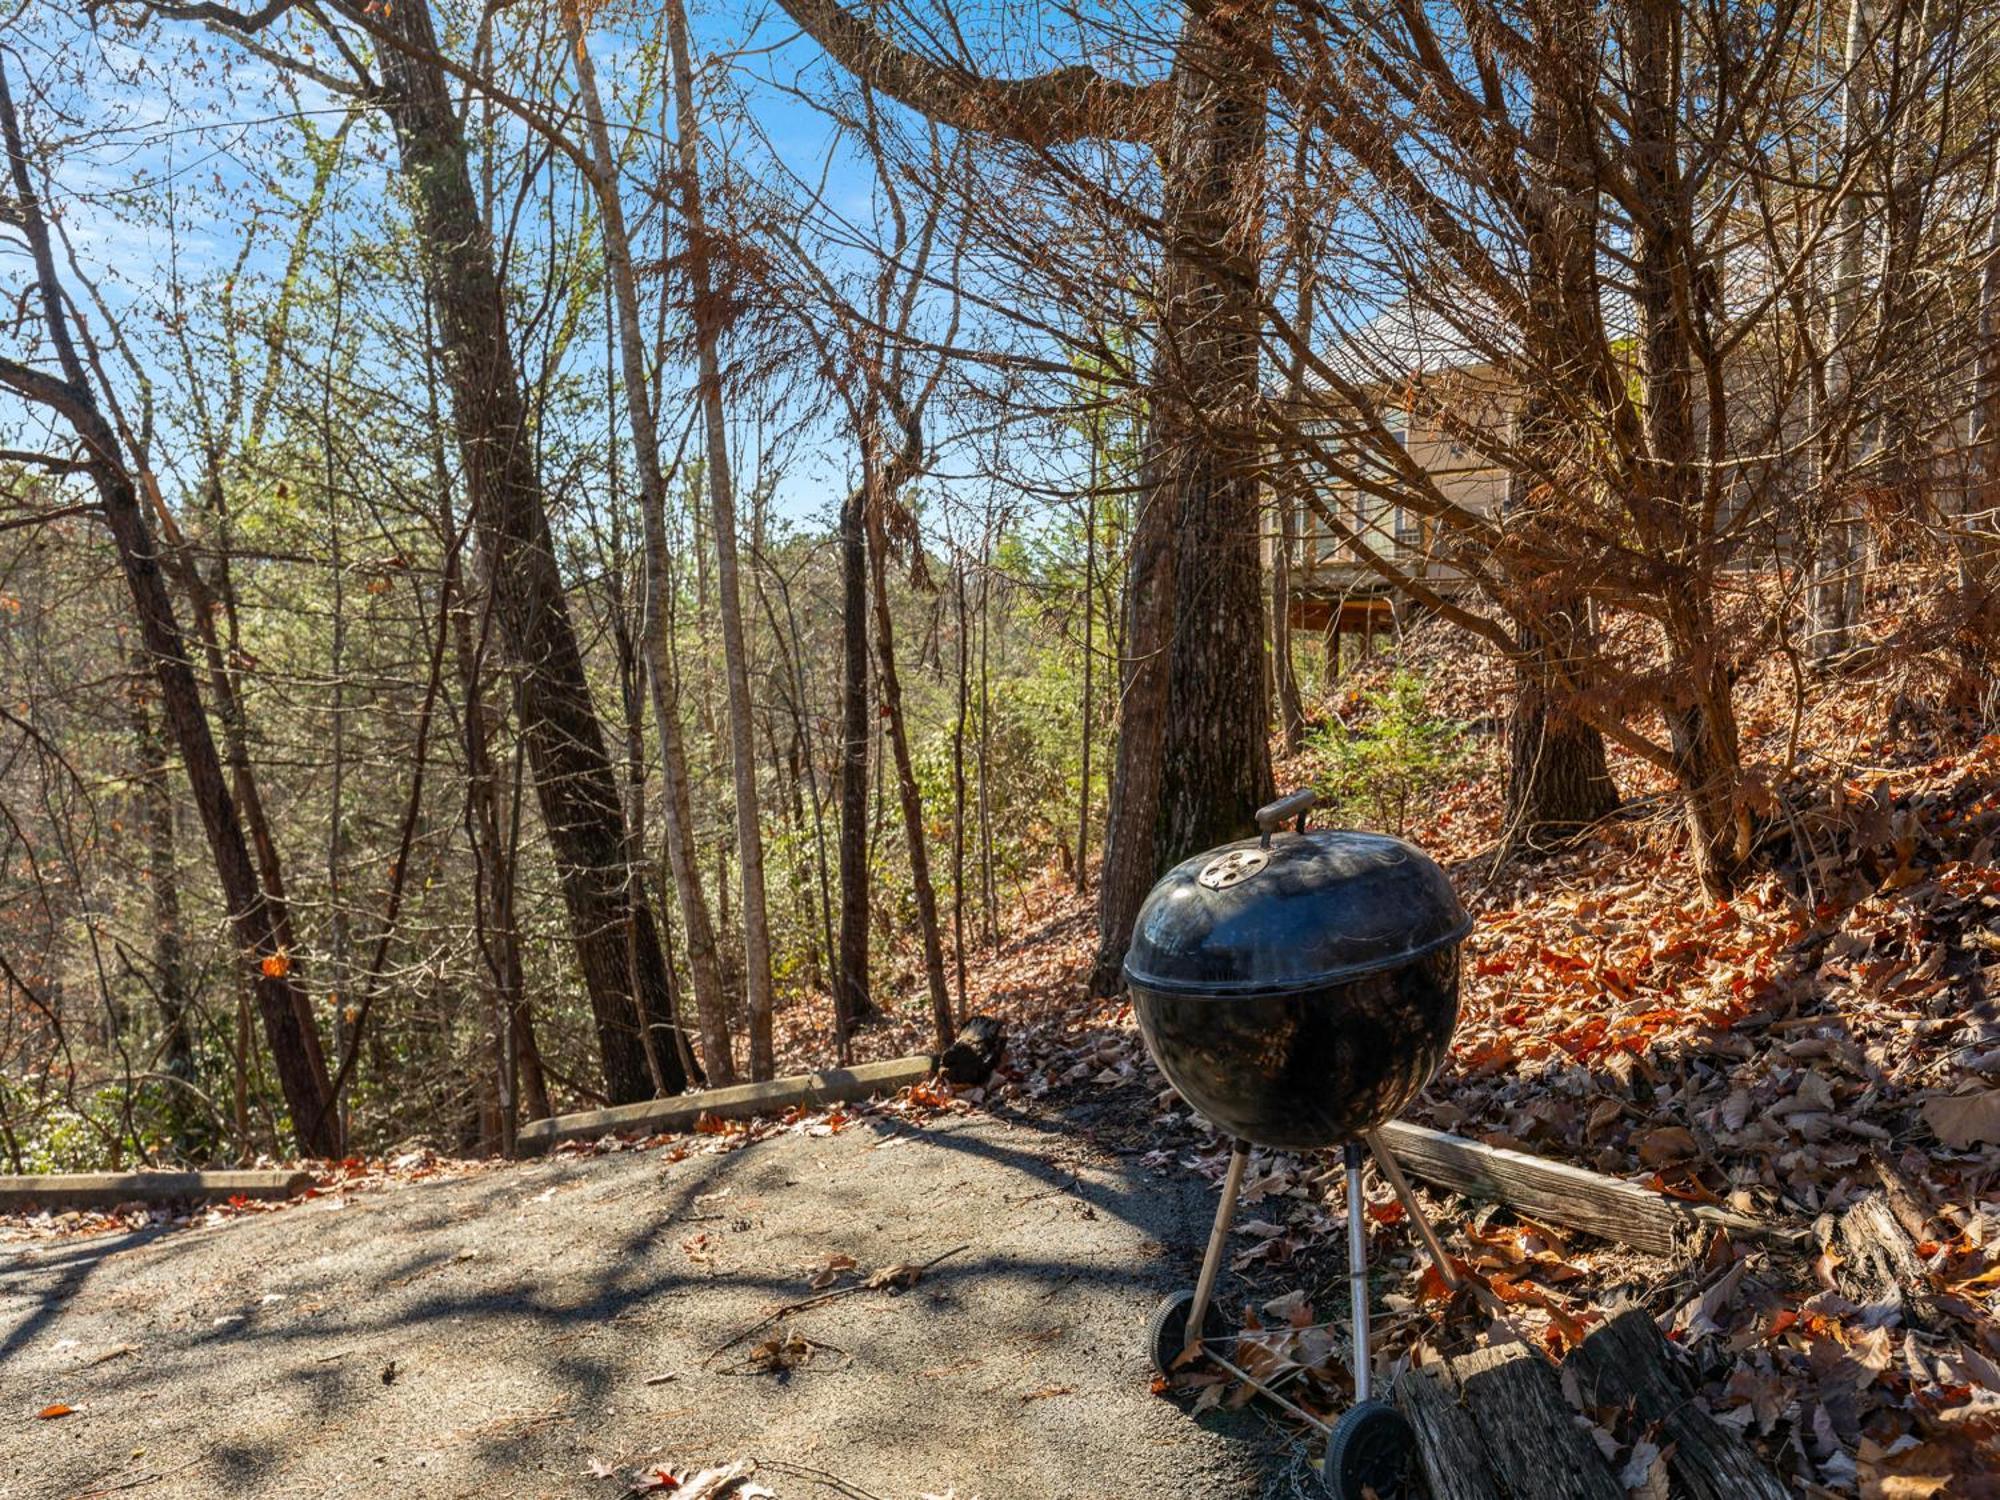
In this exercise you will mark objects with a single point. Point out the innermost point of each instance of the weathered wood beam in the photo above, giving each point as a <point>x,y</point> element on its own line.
<point>834,1086</point>
<point>1875,1263</point>
<point>1608,1207</point>
<point>1494,1422</point>
<point>108,1189</point>
<point>1453,1453</point>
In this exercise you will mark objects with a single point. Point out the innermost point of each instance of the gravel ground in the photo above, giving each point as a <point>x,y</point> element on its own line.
<point>505,1333</point>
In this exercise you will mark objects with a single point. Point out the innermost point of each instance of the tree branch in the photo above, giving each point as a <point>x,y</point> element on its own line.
<point>1066,104</point>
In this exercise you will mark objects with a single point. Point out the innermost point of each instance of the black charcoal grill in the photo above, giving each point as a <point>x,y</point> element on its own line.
<point>1299,989</point>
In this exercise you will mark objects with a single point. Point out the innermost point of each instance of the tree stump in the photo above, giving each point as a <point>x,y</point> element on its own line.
<point>1494,1423</point>
<point>1628,1364</point>
<point>1875,1264</point>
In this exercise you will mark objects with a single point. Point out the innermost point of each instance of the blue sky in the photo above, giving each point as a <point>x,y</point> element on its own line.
<point>168,142</point>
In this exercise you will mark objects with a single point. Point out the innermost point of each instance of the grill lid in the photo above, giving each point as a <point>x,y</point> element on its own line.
<point>1292,912</point>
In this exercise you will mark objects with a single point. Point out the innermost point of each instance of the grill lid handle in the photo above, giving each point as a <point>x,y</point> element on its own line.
<point>1271,817</point>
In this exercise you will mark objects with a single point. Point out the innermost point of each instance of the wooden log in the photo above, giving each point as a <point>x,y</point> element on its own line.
<point>1448,1441</point>
<point>834,1086</point>
<point>975,1052</point>
<point>1535,1443</point>
<point>1629,1365</point>
<point>108,1189</point>
<point>1608,1207</point>
<point>1874,1262</point>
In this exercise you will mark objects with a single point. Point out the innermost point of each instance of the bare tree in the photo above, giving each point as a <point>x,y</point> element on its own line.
<point>703,965</point>
<point>258,915</point>
<point>708,299</point>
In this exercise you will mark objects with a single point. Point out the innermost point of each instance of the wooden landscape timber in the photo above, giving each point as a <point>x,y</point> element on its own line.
<point>743,1101</point>
<point>1608,1207</point>
<point>109,1189</point>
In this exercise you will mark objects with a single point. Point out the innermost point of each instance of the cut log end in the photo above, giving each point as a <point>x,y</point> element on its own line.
<point>976,1052</point>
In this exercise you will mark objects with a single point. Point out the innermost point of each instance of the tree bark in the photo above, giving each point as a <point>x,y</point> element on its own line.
<point>574,781</point>
<point>708,316</point>
<point>851,967</point>
<point>1557,777</point>
<point>704,969</point>
<point>1193,761</point>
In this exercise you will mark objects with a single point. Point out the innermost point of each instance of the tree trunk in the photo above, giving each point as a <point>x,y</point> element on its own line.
<point>156,811</point>
<point>1284,677</point>
<point>1701,718</point>
<point>704,968</point>
<point>574,781</point>
<point>1557,778</point>
<point>851,975</point>
<point>1285,680</point>
<point>1977,533</point>
<point>958,784</point>
<point>1834,595</point>
<point>708,319</point>
<point>1193,762</point>
<point>906,779</point>
<point>1089,706</point>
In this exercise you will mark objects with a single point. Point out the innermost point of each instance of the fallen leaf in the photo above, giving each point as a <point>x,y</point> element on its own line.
<point>1960,1120</point>
<point>1669,1143</point>
<point>829,1271</point>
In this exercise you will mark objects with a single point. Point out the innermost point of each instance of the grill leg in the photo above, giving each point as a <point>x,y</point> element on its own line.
<point>1211,1263</point>
<point>1386,1160</point>
<point>1357,1268</point>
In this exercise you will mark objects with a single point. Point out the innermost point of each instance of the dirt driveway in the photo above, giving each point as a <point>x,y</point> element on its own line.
<point>506,1333</point>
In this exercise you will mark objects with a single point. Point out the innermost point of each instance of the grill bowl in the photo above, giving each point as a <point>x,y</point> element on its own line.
<point>1299,991</point>
<point>1305,1069</point>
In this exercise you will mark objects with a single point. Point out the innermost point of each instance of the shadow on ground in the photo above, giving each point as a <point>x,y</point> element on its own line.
<point>512,1332</point>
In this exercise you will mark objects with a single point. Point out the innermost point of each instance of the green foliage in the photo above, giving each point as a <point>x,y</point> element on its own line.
<point>1400,753</point>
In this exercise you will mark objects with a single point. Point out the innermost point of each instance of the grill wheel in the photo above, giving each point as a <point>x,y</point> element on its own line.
<point>1166,1332</point>
<point>1371,1455</point>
